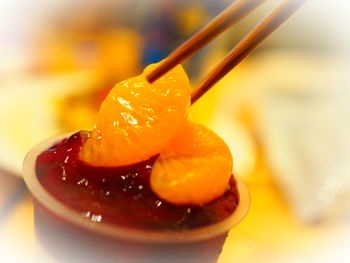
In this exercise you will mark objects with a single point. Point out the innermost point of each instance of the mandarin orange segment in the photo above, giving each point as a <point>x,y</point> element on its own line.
<point>137,119</point>
<point>194,168</point>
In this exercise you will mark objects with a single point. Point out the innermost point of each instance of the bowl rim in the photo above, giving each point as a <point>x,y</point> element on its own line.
<point>121,232</point>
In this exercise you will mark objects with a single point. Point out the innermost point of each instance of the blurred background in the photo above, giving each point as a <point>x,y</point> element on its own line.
<point>284,111</point>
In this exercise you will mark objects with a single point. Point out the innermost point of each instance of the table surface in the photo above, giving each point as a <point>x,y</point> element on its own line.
<point>269,233</point>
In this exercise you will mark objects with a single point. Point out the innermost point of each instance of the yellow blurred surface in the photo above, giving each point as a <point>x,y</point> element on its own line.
<point>270,233</point>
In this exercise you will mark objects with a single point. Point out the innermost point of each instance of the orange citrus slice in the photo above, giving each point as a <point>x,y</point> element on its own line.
<point>137,119</point>
<point>194,168</point>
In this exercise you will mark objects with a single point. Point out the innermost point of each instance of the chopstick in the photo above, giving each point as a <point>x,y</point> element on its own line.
<point>247,45</point>
<point>223,21</point>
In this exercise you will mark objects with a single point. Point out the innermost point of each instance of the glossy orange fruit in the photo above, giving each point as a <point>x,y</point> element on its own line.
<point>194,168</point>
<point>137,119</point>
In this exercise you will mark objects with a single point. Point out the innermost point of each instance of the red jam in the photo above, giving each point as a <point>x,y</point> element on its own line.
<point>121,195</point>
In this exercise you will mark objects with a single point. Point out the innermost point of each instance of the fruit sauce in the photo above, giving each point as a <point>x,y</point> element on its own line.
<point>121,195</point>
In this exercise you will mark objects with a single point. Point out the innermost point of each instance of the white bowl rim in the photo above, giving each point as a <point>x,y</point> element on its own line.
<point>122,232</point>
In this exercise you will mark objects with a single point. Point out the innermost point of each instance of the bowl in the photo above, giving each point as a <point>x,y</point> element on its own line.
<point>46,205</point>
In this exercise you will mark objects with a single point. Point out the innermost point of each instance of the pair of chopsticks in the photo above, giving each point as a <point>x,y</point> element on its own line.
<point>223,21</point>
